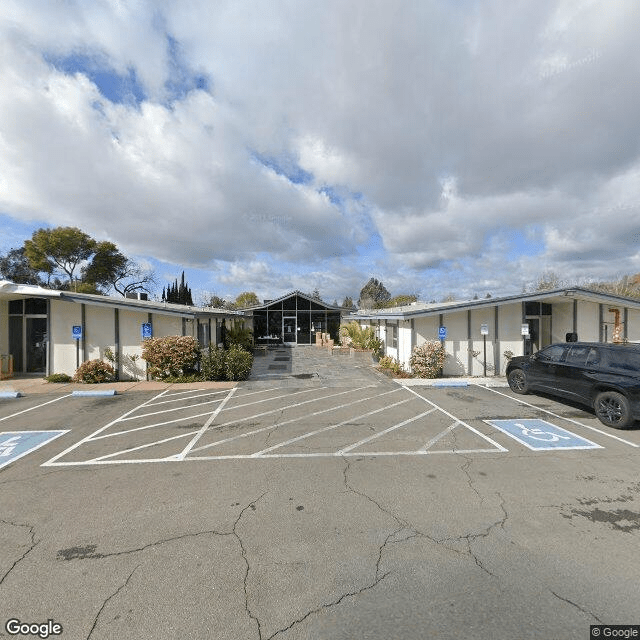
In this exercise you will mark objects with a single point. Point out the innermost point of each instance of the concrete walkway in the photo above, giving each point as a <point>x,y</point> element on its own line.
<point>308,365</point>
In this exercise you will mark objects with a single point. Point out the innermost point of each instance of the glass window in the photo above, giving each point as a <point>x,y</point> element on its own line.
<point>277,306</point>
<point>35,306</point>
<point>552,353</point>
<point>318,322</point>
<point>303,304</point>
<point>289,304</point>
<point>304,328</point>
<point>333,325</point>
<point>275,324</point>
<point>593,359</point>
<point>15,307</point>
<point>316,306</point>
<point>259,324</point>
<point>578,355</point>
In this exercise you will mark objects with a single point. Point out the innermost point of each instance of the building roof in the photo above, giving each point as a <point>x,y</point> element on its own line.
<point>10,290</point>
<point>418,309</point>
<point>268,303</point>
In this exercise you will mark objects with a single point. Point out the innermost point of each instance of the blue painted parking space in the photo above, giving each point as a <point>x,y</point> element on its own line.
<point>16,444</point>
<point>540,435</point>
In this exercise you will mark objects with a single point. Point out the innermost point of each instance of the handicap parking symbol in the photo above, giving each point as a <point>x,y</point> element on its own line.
<point>15,444</point>
<point>540,435</point>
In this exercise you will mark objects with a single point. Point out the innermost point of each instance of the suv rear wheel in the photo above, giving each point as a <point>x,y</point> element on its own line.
<point>613,409</point>
<point>517,380</point>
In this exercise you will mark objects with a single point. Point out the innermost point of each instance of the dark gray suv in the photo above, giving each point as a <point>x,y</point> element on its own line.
<point>605,377</point>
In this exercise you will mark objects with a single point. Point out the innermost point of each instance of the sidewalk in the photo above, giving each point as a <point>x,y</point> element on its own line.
<point>30,386</point>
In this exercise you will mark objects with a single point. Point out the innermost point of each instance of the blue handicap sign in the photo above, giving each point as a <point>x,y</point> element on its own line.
<point>147,331</point>
<point>15,444</point>
<point>76,332</point>
<point>540,435</point>
<point>442,333</point>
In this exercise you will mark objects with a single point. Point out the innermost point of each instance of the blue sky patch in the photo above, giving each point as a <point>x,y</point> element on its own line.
<point>119,89</point>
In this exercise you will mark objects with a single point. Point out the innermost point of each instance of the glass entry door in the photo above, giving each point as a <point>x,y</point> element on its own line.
<point>289,329</point>
<point>36,344</point>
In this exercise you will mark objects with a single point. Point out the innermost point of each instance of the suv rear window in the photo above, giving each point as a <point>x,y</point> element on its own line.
<point>578,354</point>
<point>624,361</point>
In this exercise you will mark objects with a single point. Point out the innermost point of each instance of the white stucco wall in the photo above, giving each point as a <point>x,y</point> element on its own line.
<point>64,316</point>
<point>633,325</point>
<point>510,337</point>
<point>99,331</point>
<point>588,319</point>
<point>562,320</point>
<point>478,318</point>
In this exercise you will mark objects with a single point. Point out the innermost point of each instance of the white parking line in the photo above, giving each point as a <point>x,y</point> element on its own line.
<point>142,446</point>
<point>329,428</point>
<point>13,415</point>
<point>180,393</point>
<point>205,426</point>
<point>384,431</point>
<point>435,439</point>
<point>155,413</point>
<point>52,462</point>
<point>555,415</point>
<point>464,424</point>
<point>202,395</point>
<point>280,424</point>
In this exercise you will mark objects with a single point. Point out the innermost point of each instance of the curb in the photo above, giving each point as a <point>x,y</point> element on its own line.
<point>105,392</point>
<point>458,383</point>
<point>10,394</point>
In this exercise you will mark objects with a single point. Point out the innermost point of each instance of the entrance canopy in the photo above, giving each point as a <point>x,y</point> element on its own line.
<point>294,319</point>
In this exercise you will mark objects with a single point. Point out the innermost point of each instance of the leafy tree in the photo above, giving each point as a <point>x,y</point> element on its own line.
<point>60,250</point>
<point>246,299</point>
<point>15,266</point>
<point>373,294</point>
<point>212,300</point>
<point>316,294</point>
<point>347,303</point>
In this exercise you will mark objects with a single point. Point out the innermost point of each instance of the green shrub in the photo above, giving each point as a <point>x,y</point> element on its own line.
<point>239,335</point>
<point>94,371</point>
<point>238,363</point>
<point>213,364</point>
<point>58,377</point>
<point>173,356</point>
<point>427,359</point>
<point>355,336</point>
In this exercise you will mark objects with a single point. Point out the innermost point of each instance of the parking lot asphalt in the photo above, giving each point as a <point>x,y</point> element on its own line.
<point>363,510</point>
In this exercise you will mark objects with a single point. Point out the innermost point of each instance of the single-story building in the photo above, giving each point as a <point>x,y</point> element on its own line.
<point>294,318</point>
<point>510,325</point>
<point>47,331</point>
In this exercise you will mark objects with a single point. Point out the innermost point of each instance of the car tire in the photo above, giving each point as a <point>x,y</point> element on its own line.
<point>613,409</point>
<point>517,380</point>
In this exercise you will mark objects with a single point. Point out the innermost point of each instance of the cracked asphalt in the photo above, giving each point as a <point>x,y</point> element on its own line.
<point>490,545</point>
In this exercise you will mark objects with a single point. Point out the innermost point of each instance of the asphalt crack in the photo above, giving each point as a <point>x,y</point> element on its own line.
<point>106,602</point>
<point>88,552</point>
<point>577,606</point>
<point>32,546</point>
<point>252,506</point>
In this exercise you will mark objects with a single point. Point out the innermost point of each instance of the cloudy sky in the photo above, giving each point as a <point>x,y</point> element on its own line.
<point>442,146</point>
